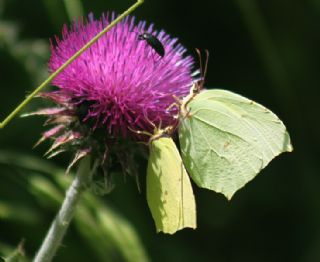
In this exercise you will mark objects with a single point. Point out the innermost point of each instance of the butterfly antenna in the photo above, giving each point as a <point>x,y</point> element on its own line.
<point>205,66</point>
<point>200,63</point>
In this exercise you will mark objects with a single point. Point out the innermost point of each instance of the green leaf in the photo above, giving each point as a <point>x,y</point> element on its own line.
<point>118,240</point>
<point>226,139</point>
<point>17,255</point>
<point>169,191</point>
<point>19,213</point>
<point>102,229</point>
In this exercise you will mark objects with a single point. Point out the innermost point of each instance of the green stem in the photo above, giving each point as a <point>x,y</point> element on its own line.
<point>61,223</point>
<point>74,8</point>
<point>68,62</point>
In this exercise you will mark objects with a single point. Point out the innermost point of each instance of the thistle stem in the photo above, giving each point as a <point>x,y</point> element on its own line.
<point>61,222</point>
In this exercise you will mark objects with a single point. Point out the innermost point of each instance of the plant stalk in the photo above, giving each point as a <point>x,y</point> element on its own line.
<point>61,222</point>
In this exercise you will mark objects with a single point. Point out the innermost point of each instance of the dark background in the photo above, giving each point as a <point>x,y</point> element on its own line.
<point>266,50</point>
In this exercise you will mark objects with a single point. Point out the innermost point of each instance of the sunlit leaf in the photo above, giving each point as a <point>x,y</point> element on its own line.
<point>226,139</point>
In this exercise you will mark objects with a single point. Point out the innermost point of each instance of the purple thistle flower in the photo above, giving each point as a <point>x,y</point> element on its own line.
<point>117,86</point>
<point>120,82</point>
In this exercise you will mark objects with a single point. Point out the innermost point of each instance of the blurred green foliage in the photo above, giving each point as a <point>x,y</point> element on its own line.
<point>105,233</point>
<point>264,50</point>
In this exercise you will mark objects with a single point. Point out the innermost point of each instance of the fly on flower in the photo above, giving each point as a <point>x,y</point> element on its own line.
<point>153,42</point>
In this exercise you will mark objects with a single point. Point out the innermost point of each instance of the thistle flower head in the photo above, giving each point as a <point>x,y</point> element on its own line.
<point>120,80</point>
<point>119,85</point>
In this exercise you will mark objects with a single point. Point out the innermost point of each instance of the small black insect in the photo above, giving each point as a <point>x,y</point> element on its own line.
<point>154,42</point>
